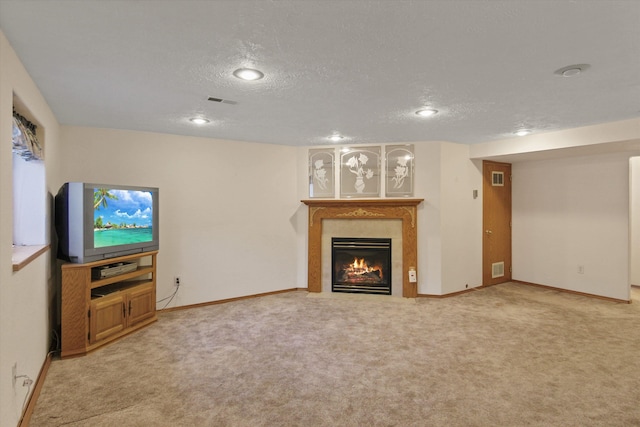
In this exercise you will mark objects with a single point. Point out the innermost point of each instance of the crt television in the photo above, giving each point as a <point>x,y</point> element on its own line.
<point>99,221</point>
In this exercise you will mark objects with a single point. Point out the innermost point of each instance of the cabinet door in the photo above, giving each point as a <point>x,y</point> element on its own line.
<point>107,317</point>
<point>141,304</point>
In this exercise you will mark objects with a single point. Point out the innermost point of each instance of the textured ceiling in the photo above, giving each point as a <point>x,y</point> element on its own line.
<point>361,68</point>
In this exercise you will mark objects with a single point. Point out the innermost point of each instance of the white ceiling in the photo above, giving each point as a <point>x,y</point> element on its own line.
<point>358,67</point>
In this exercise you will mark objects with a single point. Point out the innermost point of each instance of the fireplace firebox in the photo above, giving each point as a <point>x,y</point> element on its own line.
<point>361,265</point>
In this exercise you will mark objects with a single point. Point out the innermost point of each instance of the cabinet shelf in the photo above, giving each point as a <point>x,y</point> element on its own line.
<point>140,271</point>
<point>95,312</point>
<point>113,288</point>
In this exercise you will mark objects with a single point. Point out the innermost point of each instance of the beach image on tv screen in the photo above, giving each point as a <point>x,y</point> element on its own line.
<point>121,217</point>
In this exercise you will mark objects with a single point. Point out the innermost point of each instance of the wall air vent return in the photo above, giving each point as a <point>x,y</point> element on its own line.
<point>497,179</point>
<point>497,269</point>
<point>222,101</point>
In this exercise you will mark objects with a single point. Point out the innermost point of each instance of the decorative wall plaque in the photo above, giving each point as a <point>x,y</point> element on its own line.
<point>321,172</point>
<point>399,171</point>
<point>360,172</point>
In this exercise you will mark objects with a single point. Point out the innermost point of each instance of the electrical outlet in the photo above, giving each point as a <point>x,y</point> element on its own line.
<point>581,269</point>
<point>14,373</point>
<point>413,278</point>
<point>176,281</point>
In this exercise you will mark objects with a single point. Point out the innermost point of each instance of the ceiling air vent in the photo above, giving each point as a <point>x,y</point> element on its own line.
<point>222,101</point>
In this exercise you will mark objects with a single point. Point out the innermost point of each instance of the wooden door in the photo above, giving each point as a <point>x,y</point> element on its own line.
<point>107,317</point>
<point>141,304</point>
<point>496,220</point>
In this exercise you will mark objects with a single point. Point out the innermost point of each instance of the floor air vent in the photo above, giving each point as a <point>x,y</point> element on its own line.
<point>497,269</point>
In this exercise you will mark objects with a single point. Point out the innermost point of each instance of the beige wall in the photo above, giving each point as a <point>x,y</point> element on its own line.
<point>462,219</point>
<point>571,212</point>
<point>225,206</point>
<point>25,296</point>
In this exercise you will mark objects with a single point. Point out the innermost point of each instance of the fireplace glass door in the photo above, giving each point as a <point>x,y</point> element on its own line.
<point>361,265</point>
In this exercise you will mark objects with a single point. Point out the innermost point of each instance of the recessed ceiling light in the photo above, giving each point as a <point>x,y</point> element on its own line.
<point>199,120</point>
<point>571,70</point>
<point>248,74</point>
<point>336,137</point>
<point>522,132</point>
<point>426,112</point>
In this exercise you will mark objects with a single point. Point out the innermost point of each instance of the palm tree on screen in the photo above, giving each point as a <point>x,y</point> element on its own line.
<point>100,197</point>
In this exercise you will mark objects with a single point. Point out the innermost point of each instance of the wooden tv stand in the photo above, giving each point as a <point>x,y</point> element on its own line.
<point>98,311</point>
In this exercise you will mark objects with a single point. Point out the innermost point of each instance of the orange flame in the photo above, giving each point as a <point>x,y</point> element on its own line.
<point>359,267</point>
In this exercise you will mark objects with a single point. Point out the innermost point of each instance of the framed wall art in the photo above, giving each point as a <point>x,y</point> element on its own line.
<point>321,172</point>
<point>360,172</point>
<point>399,170</point>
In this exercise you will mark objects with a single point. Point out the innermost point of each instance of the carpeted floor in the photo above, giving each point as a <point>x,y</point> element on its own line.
<point>507,355</point>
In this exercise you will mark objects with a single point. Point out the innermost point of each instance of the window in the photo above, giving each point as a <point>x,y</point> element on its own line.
<point>29,187</point>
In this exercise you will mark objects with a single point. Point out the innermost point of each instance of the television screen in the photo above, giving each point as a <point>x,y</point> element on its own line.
<point>121,217</point>
<point>98,221</point>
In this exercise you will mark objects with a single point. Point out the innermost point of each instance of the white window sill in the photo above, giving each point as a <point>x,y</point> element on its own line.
<point>23,255</point>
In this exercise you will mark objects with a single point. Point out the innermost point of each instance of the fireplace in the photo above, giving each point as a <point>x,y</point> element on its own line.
<point>363,209</point>
<point>361,265</point>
